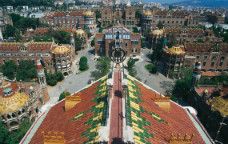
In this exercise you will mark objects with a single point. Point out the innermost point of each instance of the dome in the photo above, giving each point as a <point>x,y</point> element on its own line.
<point>61,50</point>
<point>157,32</point>
<point>175,50</point>
<point>80,31</point>
<point>88,13</point>
<point>147,13</point>
<point>13,103</point>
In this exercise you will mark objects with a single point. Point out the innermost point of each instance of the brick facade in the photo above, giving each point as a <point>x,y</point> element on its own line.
<point>130,42</point>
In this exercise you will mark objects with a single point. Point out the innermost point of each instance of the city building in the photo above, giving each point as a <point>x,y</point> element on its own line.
<point>118,109</point>
<point>20,101</point>
<point>151,18</point>
<point>178,35</point>
<point>212,56</point>
<point>123,14</point>
<point>72,19</point>
<point>105,42</point>
<point>173,61</point>
<point>18,51</point>
<point>62,58</point>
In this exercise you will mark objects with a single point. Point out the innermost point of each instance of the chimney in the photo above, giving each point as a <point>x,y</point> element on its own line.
<point>53,137</point>
<point>163,102</point>
<point>71,101</point>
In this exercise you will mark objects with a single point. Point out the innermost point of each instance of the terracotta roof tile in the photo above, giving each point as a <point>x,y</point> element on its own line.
<point>60,120</point>
<point>176,119</point>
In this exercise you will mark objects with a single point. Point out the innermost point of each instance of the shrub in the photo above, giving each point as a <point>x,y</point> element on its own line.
<point>151,68</point>
<point>83,64</point>
<point>59,76</point>
<point>51,79</point>
<point>63,95</point>
<point>130,67</point>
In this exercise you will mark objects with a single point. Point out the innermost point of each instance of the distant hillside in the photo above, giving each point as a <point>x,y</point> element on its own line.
<point>204,3</point>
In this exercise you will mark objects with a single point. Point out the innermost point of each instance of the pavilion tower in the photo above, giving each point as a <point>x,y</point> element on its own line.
<point>196,75</point>
<point>72,41</point>
<point>40,74</point>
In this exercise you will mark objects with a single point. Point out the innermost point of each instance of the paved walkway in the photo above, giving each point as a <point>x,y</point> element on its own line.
<point>116,130</point>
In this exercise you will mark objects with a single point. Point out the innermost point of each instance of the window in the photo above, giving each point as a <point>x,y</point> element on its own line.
<point>205,57</point>
<point>212,64</point>
<point>213,58</point>
<point>204,63</point>
<point>221,63</point>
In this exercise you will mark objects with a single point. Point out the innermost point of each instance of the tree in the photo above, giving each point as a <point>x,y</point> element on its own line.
<point>100,30</point>
<point>83,64</point>
<point>98,15</point>
<point>157,53</point>
<point>14,136</point>
<point>138,15</point>
<point>212,19</point>
<point>183,86</point>
<point>79,42</point>
<point>59,76</point>
<point>61,37</point>
<point>63,95</point>
<point>102,67</point>
<point>11,31</point>
<point>151,68</point>
<point>26,70</point>
<point>51,79</point>
<point>130,67</point>
<point>135,30</point>
<point>93,43</point>
<point>17,3</point>
<point>9,69</point>
<point>4,134</point>
<point>22,23</point>
<point>160,25</point>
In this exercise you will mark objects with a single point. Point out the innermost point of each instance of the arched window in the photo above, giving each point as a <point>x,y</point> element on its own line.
<point>8,116</point>
<point>13,123</point>
<point>13,115</point>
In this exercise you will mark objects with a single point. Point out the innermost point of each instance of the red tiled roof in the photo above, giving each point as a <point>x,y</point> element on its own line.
<point>205,47</point>
<point>211,74</point>
<point>32,46</point>
<point>176,119</point>
<point>99,36</point>
<point>59,120</point>
<point>12,47</point>
<point>40,46</point>
<point>135,36</point>
<point>41,31</point>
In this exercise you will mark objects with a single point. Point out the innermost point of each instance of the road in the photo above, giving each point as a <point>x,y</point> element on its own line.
<point>158,82</point>
<point>75,81</point>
